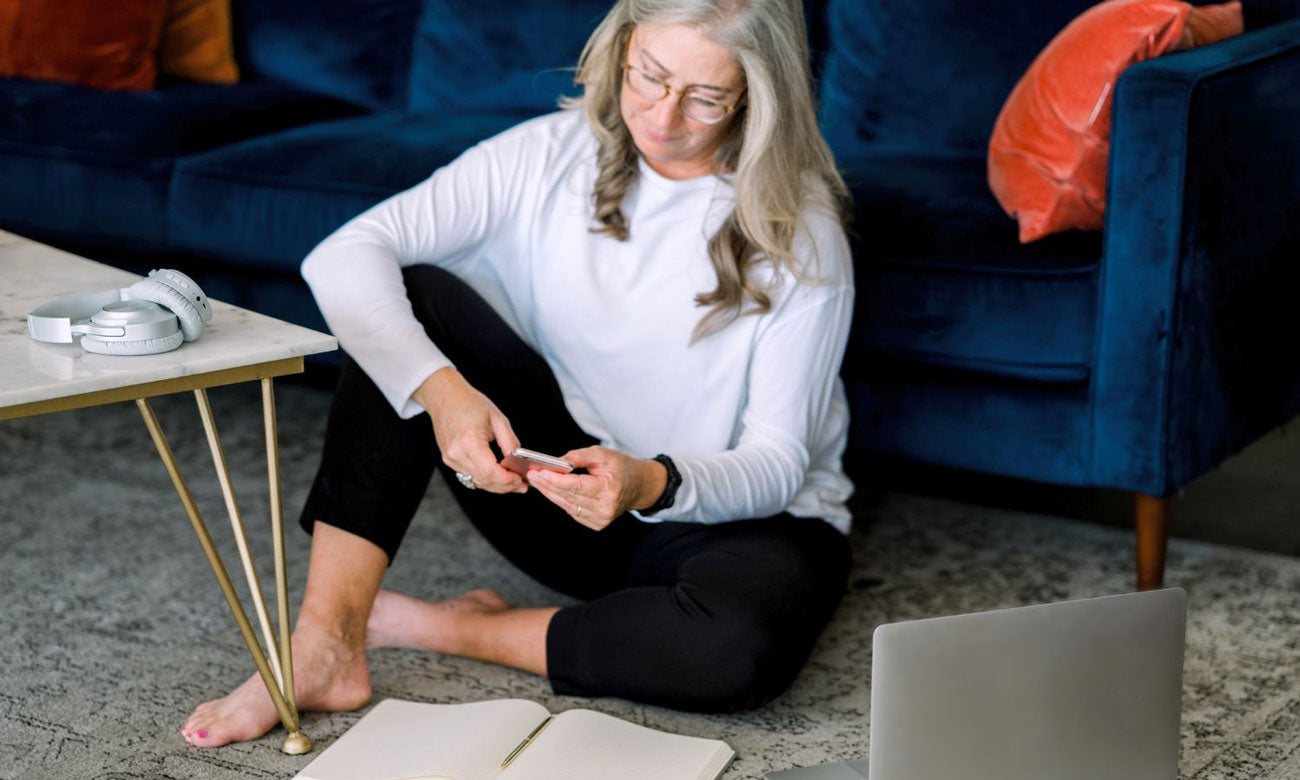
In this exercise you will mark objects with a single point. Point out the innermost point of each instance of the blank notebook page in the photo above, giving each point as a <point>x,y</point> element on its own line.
<point>586,744</point>
<point>400,739</point>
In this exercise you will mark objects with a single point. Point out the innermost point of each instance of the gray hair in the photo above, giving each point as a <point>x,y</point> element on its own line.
<point>773,152</point>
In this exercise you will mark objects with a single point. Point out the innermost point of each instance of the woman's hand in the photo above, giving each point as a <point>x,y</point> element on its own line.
<point>613,484</point>
<point>465,422</point>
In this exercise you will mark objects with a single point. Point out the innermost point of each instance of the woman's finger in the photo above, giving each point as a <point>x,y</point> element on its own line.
<point>570,483</point>
<point>465,422</point>
<point>555,498</point>
<point>586,457</point>
<point>545,482</point>
<point>507,443</point>
<point>482,463</point>
<point>455,460</point>
<point>475,458</point>
<point>579,506</point>
<point>560,498</point>
<point>504,434</point>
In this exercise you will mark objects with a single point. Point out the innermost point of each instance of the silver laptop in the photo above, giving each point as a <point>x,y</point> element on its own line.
<point>1080,690</point>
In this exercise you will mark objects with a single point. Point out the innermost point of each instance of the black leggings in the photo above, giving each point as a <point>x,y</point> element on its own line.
<point>685,615</point>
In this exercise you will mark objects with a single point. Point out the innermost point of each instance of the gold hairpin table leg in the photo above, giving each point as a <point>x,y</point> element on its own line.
<point>297,742</point>
<point>237,529</point>
<point>283,700</point>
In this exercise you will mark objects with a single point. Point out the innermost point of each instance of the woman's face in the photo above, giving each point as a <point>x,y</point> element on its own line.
<point>679,55</point>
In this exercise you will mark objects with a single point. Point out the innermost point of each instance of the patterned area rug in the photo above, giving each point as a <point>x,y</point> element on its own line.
<point>112,627</point>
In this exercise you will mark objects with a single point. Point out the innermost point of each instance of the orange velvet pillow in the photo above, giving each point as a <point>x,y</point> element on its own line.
<point>1047,156</point>
<point>96,43</point>
<point>196,42</point>
<point>1210,23</point>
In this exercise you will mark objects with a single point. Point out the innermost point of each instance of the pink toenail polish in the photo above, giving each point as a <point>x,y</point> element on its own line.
<point>203,735</point>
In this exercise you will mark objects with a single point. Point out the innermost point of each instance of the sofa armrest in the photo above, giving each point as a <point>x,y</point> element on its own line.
<point>1201,272</point>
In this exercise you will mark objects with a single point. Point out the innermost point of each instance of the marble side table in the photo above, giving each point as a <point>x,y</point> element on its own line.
<point>237,346</point>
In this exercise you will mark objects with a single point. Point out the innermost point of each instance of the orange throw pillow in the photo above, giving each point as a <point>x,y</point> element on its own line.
<point>109,45</point>
<point>1047,156</point>
<point>1210,23</point>
<point>196,42</point>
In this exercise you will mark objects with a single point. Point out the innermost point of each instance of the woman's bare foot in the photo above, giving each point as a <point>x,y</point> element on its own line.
<point>401,621</point>
<point>329,676</point>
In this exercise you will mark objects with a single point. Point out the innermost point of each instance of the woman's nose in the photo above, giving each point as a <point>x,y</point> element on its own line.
<point>665,113</point>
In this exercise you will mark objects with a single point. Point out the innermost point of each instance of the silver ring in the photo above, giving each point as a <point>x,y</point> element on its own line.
<point>466,480</point>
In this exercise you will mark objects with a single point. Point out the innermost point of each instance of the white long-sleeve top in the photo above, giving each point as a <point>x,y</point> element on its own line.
<point>754,416</point>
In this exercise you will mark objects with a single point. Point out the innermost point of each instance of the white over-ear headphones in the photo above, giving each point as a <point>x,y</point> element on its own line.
<point>153,315</point>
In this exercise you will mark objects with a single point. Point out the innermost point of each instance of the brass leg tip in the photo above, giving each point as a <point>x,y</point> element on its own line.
<point>296,744</point>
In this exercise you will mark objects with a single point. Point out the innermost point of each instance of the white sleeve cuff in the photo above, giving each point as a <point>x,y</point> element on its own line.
<point>400,394</point>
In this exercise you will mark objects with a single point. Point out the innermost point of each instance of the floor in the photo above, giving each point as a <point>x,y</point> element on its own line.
<point>112,629</point>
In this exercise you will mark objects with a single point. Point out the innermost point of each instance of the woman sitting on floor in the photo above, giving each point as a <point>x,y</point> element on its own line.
<point>654,284</point>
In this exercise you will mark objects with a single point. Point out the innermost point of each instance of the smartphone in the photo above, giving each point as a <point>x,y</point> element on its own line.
<point>521,460</point>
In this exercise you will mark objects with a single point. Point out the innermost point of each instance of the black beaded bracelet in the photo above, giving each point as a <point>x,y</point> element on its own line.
<point>669,495</point>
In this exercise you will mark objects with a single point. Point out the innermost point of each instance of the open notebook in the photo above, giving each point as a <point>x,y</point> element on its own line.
<point>510,739</point>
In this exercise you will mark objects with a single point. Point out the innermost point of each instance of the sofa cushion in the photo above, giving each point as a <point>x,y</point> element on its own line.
<point>943,280</point>
<point>96,44</point>
<point>928,75</point>
<point>90,165</point>
<point>197,42</point>
<point>1211,24</point>
<point>268,201</point>
<point>354,50</point>
<point>976,422</point>
<point>519,57</point>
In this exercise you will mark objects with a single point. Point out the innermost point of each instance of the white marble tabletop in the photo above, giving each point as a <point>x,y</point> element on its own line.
<point>30,371</point>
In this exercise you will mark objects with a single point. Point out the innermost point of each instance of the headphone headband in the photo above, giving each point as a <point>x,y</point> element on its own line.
<point>53,321</point>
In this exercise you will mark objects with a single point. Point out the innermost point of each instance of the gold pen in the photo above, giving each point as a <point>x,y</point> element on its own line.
<point>527,741</point>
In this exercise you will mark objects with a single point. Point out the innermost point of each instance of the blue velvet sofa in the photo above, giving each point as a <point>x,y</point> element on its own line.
<point>1135,358</point>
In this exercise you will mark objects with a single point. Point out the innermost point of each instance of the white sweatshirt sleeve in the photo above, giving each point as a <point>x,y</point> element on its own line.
<point>356,273</point>
<point>793,374</point>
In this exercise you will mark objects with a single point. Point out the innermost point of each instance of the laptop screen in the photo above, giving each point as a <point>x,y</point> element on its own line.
<point>1078,690</point>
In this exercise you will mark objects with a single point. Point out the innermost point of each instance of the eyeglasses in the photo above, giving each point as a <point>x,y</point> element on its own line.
<point>692,104</point>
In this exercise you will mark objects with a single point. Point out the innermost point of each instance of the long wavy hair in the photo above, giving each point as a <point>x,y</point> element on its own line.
<point>773,152</point>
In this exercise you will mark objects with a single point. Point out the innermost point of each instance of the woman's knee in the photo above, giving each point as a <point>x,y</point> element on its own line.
<point>740,656</point>
<point>441,301</point>
<point>423,275</point>
<point>471,333</point>
<point>753,629</point>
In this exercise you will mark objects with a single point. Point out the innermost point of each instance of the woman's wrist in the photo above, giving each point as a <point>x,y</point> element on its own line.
<point>435,386</point>
<point>654,478</point>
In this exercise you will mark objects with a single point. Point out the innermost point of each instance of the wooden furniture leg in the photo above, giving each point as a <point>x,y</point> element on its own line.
<point>1152,521</point>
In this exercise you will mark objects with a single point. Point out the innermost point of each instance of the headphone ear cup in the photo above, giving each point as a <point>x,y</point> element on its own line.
<point>101,346</point>
<point>191,320</point>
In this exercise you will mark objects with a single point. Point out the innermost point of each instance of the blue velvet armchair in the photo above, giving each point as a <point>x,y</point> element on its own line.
<point>1136,358</point>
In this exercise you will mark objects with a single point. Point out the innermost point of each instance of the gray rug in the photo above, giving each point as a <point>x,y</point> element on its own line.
<point>112,627</point>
